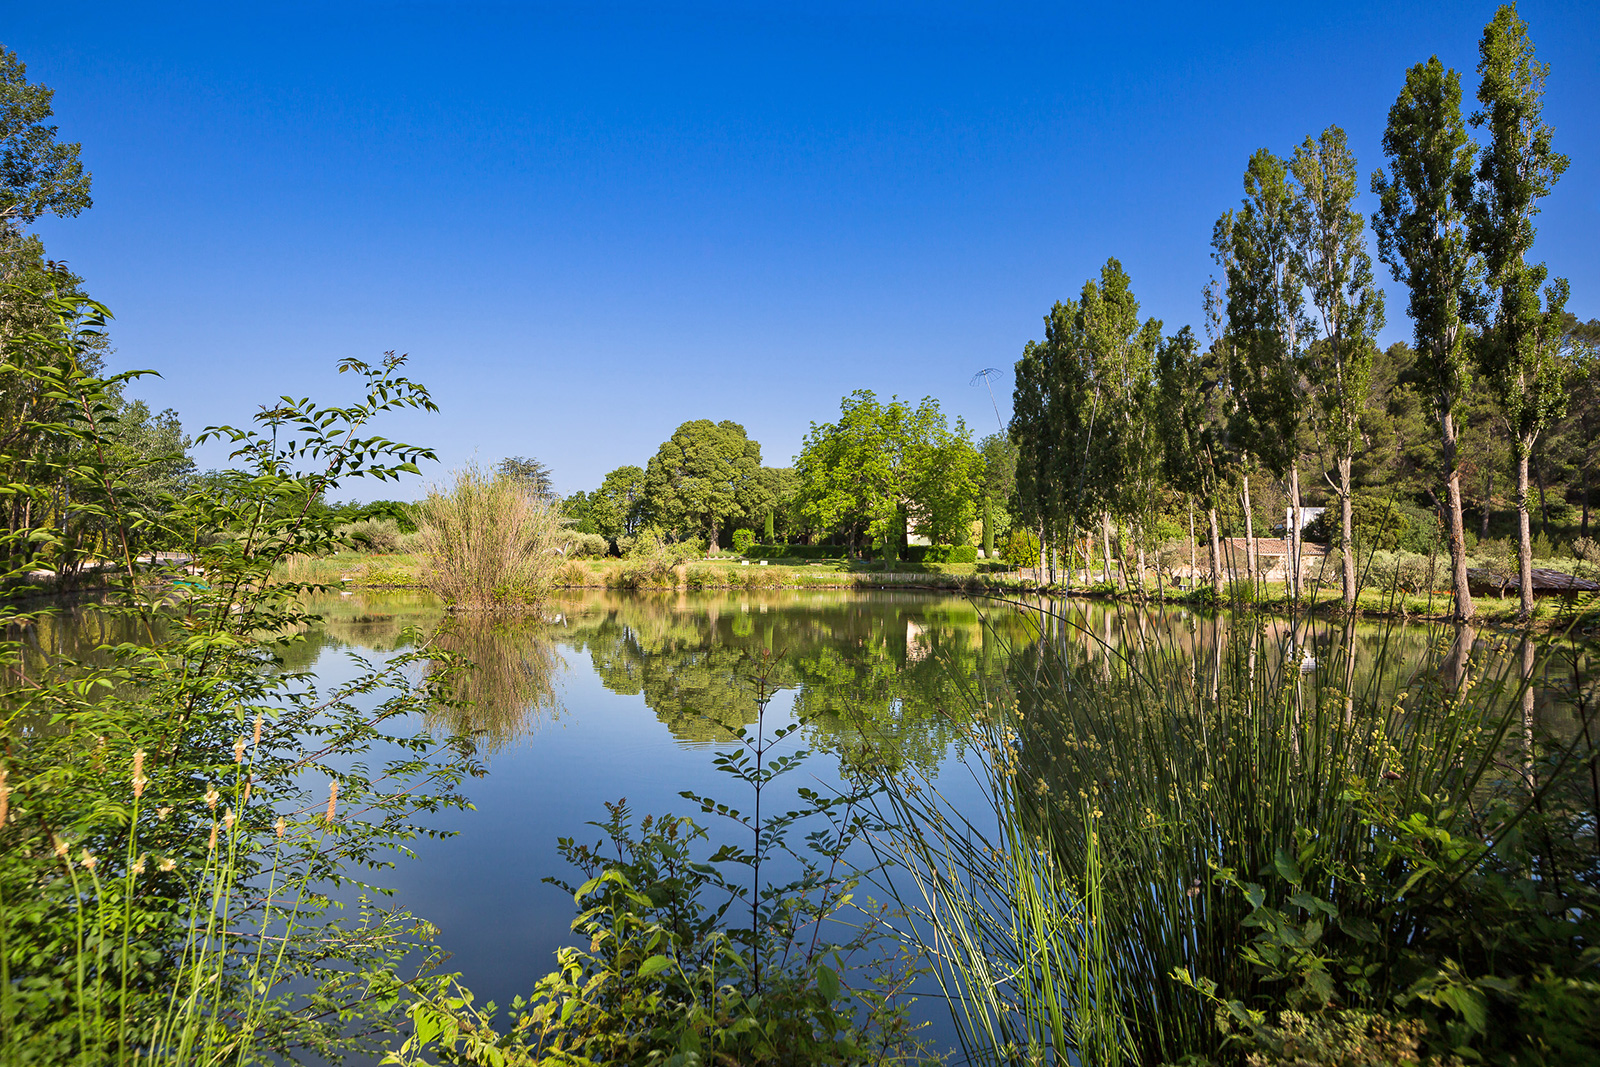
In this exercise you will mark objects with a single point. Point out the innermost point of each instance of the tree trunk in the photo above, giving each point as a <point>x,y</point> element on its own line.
<point>1458,539</point>
<point>711,543</point>
<point>1488,496</point>
<point>1524,533</point>
<point>1292,535</point>
<point>1141,570</point>
<point>988,529</point>
<point>1041,556</point>
<point>1105,538</point>
<point>1193,550</point>
<point>1216,552</point>
<point>1252,552</point>
<point>1347,549</point>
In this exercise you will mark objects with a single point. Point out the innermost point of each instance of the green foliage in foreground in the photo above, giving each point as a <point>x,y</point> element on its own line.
<point>1206,851</point>
<point>702,959</point>
<point>175,809</point>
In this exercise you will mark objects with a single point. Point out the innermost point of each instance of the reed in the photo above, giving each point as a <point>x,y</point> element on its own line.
<point>490,543</point>
<point>1164,807</point>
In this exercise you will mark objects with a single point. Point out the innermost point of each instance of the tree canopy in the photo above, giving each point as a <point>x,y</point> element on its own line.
<point>706,474</point>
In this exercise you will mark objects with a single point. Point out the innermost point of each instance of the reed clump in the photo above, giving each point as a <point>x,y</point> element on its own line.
<point>1220,841</point>
<point>490,543</point>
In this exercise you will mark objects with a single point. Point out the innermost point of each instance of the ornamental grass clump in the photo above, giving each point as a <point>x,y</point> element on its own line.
<point>490,543</point>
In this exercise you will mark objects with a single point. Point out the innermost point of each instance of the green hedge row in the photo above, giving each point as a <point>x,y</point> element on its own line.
<point>942,554</point>
<point>797,552</point>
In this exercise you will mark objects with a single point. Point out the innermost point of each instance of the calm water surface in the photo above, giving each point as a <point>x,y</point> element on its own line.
<point>630,696</point>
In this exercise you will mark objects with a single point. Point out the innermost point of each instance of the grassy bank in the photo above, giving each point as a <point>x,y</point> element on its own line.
<point>403,571</point>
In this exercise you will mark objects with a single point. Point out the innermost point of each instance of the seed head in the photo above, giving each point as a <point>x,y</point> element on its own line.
<point>227,819</point>
<point>5,797</point>
<point>256,740</point>
<point>238,749</point>
<point>166,865</point>
<point>211,798</point>
<point>138,864</point>
<point>212,844</point>
<point>139,780</point>
<point>280,826</point>
<point>60,846</point>
<point>87,859</point>
<point>333,799</point>
<point>249,785</point>
<point>162,813</point>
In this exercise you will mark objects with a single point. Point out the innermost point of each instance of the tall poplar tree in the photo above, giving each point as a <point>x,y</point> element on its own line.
<point>1330,245</point>
<point>1521,349</point>
<point>1193,430</point>
<point>1421,225</point>
<point>1268,326</point>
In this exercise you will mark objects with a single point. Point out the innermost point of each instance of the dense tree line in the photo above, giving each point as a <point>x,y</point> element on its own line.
<point>1118,427</point>
<point>881,473</point>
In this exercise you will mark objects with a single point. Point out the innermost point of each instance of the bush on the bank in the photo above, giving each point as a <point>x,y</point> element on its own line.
<point>581,545</point>
<point>490,542</point>
<point>941,554</point>
<point>771,552</point>
<point>1022,548</point>
<point>742,540</point>
<point>372,535</point>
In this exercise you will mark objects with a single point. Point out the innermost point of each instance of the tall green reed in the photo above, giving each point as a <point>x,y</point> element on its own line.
<point>1159,791</point>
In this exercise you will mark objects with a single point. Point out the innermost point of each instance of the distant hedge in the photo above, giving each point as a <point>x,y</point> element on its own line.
<point>797,552</point>
<point>942,554</point>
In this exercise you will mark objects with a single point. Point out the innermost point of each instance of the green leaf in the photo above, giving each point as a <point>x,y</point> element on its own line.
<point>654,965</point>
<point>1287,866</point>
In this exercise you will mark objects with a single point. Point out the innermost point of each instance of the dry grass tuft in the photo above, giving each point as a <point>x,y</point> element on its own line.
<point>490,544</point>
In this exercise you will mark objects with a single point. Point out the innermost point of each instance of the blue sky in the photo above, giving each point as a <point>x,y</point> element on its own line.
<point>588,223</point>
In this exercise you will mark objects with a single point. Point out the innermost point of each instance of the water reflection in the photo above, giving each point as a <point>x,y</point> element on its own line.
<point>897,670</point>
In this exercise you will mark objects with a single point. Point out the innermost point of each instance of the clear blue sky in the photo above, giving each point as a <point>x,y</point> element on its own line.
<point>589,222</point>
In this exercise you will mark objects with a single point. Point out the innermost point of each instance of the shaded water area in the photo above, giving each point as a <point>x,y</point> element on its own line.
<point>610,695</point>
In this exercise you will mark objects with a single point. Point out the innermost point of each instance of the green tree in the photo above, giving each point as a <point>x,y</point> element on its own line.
<point>577,508</point>
<point>705,475</point>
<point>1193,429</point>
<point>1521,349</point>
<point>1421,225</point>
<point>885,468</point>
<point>999,480</point>
<point>618,508</point>
<point>38,174</point>
<point>1082,420</point>
<point>1268,328</point>
<point>536,476</point>
<point>1330,248</point>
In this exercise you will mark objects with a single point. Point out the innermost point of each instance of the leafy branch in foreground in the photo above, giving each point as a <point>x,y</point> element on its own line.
<point>179,807</point>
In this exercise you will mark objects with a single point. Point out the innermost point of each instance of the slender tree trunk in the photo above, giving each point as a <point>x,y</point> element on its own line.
<point>1041,556</point>
<point>1216,551</point>
<point>1347,550</point>
<point>1583,475</point>
<point>1141,570</point>
<point>1193,570</point>
<point>1105,538</point>
<point>1293,534</point>
<point>1458,539</point>
<point>1252,552</point>
<point>1524,533</point>
<point>1488,496</point>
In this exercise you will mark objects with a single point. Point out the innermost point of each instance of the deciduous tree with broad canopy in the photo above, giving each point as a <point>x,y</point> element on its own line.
<point>884,469</point>
<point>705,475</point>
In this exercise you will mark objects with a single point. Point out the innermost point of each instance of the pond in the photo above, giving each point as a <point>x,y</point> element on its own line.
<point>631,696</point>
<point>610,696</point>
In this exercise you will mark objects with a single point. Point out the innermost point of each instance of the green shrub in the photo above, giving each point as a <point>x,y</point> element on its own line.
<point>742,540</point>
<point>941,554</point>
<point>797,552</point>
<point>1022,548</point>
<point>581,545</point>
<point>372,535</point>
